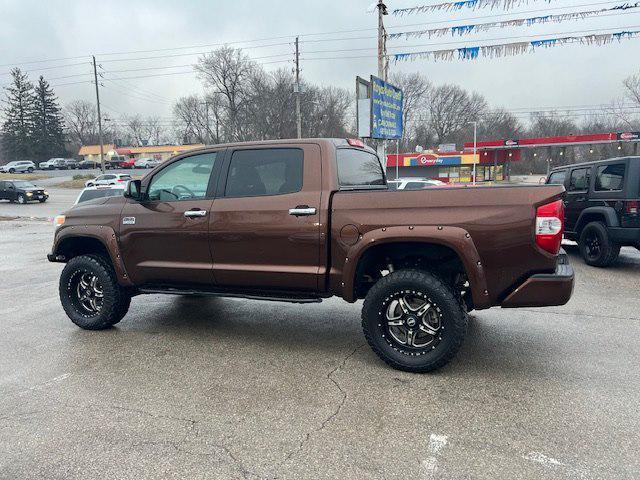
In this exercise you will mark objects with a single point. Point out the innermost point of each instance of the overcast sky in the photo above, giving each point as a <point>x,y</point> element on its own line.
<point>58,30</point>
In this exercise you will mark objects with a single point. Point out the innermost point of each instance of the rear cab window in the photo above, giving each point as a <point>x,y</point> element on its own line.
<point>359,169</point>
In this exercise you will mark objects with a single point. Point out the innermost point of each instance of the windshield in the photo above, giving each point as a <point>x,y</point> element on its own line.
<point>102,193</point>
<point>359,168</point>
<point>23,184</point>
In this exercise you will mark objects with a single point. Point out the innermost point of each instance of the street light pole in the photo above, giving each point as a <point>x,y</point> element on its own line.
<point>475,149</point>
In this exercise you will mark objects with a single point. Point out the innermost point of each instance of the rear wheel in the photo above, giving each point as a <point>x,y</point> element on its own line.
<point>596,248</point>
<point>90,293</point>
<point>413,321</point>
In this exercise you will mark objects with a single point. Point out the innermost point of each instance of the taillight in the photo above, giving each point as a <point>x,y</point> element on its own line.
<point>550,226</point>
<point>631,207</point>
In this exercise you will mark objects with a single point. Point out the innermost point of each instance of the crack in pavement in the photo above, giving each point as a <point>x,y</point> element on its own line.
<point>591,315</point>
<point>333,415</point>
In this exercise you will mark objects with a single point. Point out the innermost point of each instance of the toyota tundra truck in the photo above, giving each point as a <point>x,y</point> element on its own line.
<point>304,220</point>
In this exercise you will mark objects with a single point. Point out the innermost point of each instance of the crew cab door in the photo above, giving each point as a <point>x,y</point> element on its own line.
<point>265,227</point>
<point>165,237</point>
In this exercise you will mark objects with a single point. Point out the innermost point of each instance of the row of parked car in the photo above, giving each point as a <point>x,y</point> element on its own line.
<point>25,166</point>
<point>71,164</point>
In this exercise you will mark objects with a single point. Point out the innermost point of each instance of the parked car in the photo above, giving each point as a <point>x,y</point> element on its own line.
<point>22,191</point>
<point>414,183</point>
<point>303,220</point>
<point>88,164</point>
<point>108,179</point>
<point>100,191</point>
<point>18,167</point>
<point>127,163</point>
<point>53,164</point>
<point>70,163</point>
<point>602,206</point>
<point>147,163</point>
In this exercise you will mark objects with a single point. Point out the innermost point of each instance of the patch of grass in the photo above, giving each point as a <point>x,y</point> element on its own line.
<point>22,176</point>
<point>75,183</point>
<point>83,176</point>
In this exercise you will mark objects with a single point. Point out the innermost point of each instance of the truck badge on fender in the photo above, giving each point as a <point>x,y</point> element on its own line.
<point>128,220</point>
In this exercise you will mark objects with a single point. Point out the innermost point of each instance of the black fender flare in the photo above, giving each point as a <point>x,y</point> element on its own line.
<point>608,213</point>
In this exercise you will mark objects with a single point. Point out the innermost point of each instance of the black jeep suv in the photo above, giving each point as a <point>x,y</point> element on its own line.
<point>601,206</point>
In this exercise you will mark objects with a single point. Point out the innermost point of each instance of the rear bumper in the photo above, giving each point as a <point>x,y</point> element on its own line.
<point>625,235</point>
<point>544,289</point>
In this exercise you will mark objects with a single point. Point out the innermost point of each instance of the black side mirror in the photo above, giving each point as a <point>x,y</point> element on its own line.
<point>133,190</point>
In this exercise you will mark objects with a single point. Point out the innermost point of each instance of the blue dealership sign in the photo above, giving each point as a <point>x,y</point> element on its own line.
<point>386,110</point>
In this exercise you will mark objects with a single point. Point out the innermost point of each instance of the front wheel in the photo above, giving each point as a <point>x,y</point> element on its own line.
<point>22,199</point>
<point>596,248</point>
<point>90,293</point>
<point>30,170</point>
<point>12,170</point>
<point>413,321</point>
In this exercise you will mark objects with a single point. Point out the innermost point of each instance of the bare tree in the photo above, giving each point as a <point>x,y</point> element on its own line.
<point>81,120</point>
<point>153,130</point>
<point>499,123</point>
<point>632,87</point>
<point>415,88</point>
<point>135,127</point>
<point>451,109</point>
<point>228,72</point>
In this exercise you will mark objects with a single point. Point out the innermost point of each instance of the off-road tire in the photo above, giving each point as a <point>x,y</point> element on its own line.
<point>22,199</point>
<point>116,299</point>
<point>609,250</point>
<point>453,316</point>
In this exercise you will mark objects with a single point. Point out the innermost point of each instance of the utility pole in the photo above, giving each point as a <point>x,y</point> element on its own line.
<point>95,78</point>
<point>382,67</point>
<point>382,41</point>
<point>297,89</point>
<point>206,116</point>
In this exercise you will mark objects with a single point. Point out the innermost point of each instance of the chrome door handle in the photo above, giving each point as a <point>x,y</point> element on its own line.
<point>195,213</point>
<point>302,210</point>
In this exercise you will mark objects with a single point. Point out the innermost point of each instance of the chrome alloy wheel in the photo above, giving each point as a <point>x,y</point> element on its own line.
<point>88,293</point>
<point>414,321</point>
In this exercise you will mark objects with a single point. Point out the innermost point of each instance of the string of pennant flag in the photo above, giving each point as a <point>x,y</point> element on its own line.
<point>459,5</point>
<point>511,49</point>
<point>482,27</point>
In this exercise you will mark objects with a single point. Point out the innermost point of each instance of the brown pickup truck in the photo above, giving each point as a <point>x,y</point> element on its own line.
<point>303,220</point>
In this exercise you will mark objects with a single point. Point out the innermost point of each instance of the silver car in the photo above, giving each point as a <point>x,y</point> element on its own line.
<point>18,167</point>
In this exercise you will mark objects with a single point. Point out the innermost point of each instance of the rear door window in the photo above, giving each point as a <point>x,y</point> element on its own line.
<point>579,180</point>
<point>265,171</point>
<point>359,168</point>
<point>415,186</point>
<point>610,177</point>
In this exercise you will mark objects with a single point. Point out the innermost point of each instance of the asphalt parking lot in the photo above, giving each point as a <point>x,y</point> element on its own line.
<point>228,388</point>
